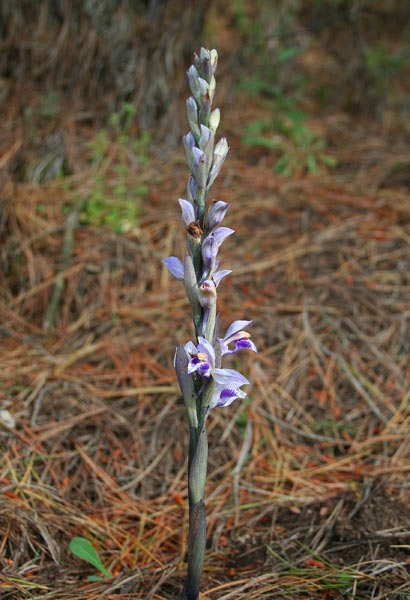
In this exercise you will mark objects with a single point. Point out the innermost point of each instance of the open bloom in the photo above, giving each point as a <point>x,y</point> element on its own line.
<point>227,387</point>
<point>202,358</point>
<point>236,335</point>
<point>226,382</point>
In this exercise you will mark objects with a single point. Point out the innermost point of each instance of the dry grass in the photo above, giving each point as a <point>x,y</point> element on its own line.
<point>307,491</point>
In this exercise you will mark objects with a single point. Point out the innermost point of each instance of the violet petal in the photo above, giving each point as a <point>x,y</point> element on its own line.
<point>175,267</point>
<point>216,214</point>
<point>229,377</point>
<point>188,213</point>
<point>235,327</point>
<point>219,275</point>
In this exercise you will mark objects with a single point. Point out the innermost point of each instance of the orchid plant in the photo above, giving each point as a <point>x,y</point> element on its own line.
<point>204,383</point>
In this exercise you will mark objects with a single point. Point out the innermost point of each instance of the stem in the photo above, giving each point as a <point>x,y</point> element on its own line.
<point>197,516</point>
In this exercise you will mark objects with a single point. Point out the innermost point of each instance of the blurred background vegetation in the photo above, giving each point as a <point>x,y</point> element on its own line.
<point>83,77</point>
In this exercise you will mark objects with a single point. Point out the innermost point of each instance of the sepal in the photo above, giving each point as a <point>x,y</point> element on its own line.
<point>206,143</point>
<point>199,167</point>
<point>191,284</point>
<point>186,384</point>
<point>214,119</point>
<point>220,152</point>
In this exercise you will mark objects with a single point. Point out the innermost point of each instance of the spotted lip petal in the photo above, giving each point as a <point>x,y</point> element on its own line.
<point>227,388</point>
<point>224,396</point>
<point>201,358</point>
<point>175,267</point>
<point>245,343</point>
<point>200,366</point>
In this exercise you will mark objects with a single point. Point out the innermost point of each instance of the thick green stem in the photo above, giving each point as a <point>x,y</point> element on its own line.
<point>197,518</point>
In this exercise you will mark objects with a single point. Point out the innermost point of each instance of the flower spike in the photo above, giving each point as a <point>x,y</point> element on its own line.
<point>205,384</point>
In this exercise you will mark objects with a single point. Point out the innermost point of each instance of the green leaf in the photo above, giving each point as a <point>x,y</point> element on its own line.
<point>94,578</point>
<point>82,548</point>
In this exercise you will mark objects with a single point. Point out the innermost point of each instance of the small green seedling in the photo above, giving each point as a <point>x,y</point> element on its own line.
<point>86,551</point>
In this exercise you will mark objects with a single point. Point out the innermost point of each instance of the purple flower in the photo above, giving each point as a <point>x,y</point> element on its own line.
<point>211,244</point>
<point>202,358</point>
<point>240,338</point>
<point>175,267</point>
<point>188,212</point>
<point>216,214</point>
<point>227,389</point>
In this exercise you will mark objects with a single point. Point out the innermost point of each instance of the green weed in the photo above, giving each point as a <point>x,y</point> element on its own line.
<point>118,182</point>
<point>287,132</point>
<point>280,87</point>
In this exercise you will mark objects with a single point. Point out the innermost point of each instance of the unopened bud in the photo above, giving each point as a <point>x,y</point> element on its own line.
<point>212,86</point>
<point>214,119</point>
<point>191,191</point>
<point>199,167</point>
<point>193,80</point>
<point>189,143</point>
<point>206,143</point>
<point>207,294</point>
<point>192,114</point>
<point>220,152</point>
<point>216,214</point>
